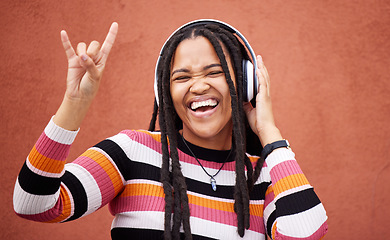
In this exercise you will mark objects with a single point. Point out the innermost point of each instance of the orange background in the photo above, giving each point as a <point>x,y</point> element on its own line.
<point>329,67</point>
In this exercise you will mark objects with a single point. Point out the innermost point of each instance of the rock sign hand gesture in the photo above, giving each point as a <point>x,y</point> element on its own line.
<point>85,70</point>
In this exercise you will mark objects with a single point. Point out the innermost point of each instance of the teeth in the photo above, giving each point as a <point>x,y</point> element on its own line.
<point>207,103</point>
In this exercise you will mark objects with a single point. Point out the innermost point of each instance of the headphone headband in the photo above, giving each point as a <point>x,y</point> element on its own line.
<point>249,70</point>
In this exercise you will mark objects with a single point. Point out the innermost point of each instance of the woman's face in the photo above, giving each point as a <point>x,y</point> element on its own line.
<point>201,95</point>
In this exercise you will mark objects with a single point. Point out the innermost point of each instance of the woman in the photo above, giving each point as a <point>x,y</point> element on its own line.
<point>193,179</point>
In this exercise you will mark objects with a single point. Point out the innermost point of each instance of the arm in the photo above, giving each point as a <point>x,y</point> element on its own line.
<point>85,70</point>
<point>47,189</point>
<point>292,209</point>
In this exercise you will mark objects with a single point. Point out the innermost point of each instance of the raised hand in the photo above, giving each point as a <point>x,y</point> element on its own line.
<point>261,118</point>
<point>86,65</point>
<point>85,70</point>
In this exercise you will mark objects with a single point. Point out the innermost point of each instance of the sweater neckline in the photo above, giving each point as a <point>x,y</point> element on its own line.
<point>206,154</point>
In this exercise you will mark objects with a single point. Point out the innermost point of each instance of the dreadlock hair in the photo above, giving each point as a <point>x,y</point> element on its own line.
<point>175,189</point>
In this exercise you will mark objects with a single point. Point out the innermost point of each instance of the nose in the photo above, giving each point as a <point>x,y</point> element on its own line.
<point>199,86</point>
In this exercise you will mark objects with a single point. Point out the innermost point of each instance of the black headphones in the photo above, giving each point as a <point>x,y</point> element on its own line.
<point>249,71</point>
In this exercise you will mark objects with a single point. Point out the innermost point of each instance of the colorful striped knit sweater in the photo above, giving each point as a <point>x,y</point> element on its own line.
<point>124,171</point>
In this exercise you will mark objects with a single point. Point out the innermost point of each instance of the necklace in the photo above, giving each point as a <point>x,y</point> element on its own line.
<point>213,182</point>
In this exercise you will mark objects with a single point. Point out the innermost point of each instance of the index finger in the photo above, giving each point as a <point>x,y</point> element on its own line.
<point>110,39</point>
<point>69,51</point>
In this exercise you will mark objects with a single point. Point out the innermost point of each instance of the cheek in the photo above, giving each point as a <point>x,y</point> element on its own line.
<point>177,95</point>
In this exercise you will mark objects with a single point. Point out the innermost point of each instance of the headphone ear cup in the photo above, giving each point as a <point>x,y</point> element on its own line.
<point>249,81</point>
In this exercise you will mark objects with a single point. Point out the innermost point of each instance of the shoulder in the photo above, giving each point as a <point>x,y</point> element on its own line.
<point>130,140</point>
<point>141,136</point>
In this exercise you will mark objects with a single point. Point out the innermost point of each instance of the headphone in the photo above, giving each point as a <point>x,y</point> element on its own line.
<point>248,70</point>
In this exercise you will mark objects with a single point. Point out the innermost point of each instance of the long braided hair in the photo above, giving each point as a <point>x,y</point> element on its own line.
<point>243,140</point>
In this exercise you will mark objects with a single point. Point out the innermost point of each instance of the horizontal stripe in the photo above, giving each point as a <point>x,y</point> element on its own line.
<point>274,228</point>
<point>43,173</point>
<point>210,204</point>
<point>256,207</point>
<point>55,213</point>
<point>100,176</point>
<point>117,154</point>
<point>144,171</point>
<point>79,196</point>
<point>269,196</point>
<point>142,234</point>
<point>150,139</point>
<point>36,184</point>
<point>211,167</point>
<point>209,210</point>
<point>293,190</point>
<point>297,202</point>
<point>289,182</point>
<point>271,223</point>
<point>317,235</point>
<point>58,134</point>
<point>129,164</point>
<point>44,164</point>
<point>89,185</point>
<point>108,158</point>
<point>137,203</point>
<point>101,163</point>
<point>145,220</point>
<point>143,189</point>
<point>227,217</point>
<point>285,169</point>
<point>156,136</point>
<point>136,234</point>
<point>137,151</point>
<point>51,149</point>
<point>145,156</point>
<point>279,156</point>
<point>211,155</point>
<point>63,207</point>
<point>303,224</point>
<point>270,211</point>
<point>199,227</point>
<point>37,203</point>
<point>220,231</point>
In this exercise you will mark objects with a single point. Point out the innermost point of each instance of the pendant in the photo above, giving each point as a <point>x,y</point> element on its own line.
<point>213,184</point>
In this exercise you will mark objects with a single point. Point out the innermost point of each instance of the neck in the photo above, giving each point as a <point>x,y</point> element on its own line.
<point>220,141</point>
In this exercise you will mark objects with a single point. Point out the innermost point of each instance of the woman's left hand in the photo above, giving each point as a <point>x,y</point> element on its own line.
<point>261,118</point>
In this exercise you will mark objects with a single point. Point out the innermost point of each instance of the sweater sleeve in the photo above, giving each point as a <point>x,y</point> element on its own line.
<point>50,190</point>
<point>293,209</point>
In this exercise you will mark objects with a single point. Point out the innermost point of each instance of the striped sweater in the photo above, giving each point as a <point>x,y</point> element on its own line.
<point>124,171</point>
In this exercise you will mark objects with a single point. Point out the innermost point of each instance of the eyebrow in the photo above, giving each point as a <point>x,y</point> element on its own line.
<point>185,70</point>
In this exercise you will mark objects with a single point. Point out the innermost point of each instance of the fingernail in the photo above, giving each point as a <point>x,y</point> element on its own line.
<point>84,57</point>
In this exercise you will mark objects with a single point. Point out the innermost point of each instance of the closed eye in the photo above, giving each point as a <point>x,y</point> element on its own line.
<point>181,78</point>
<point>215,73</point>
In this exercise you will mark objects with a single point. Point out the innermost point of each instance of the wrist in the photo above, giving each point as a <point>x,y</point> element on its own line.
<point>269,148</point>
<point>269,134</point>
<point>71,113</point>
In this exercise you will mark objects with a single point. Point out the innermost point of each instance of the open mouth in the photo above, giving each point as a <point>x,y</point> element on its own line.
<point>203,106</point>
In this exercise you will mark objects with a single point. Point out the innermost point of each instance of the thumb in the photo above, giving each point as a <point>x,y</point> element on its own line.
<point>89,65</point>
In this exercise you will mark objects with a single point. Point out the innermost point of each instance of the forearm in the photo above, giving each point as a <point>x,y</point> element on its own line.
<point>298,210</point>
<point>37,189</point>
<point>269,134</point>
<point>71,113</point>
<point>48,190</point>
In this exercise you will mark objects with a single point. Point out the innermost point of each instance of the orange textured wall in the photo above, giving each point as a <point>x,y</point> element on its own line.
<point>329,67</point>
